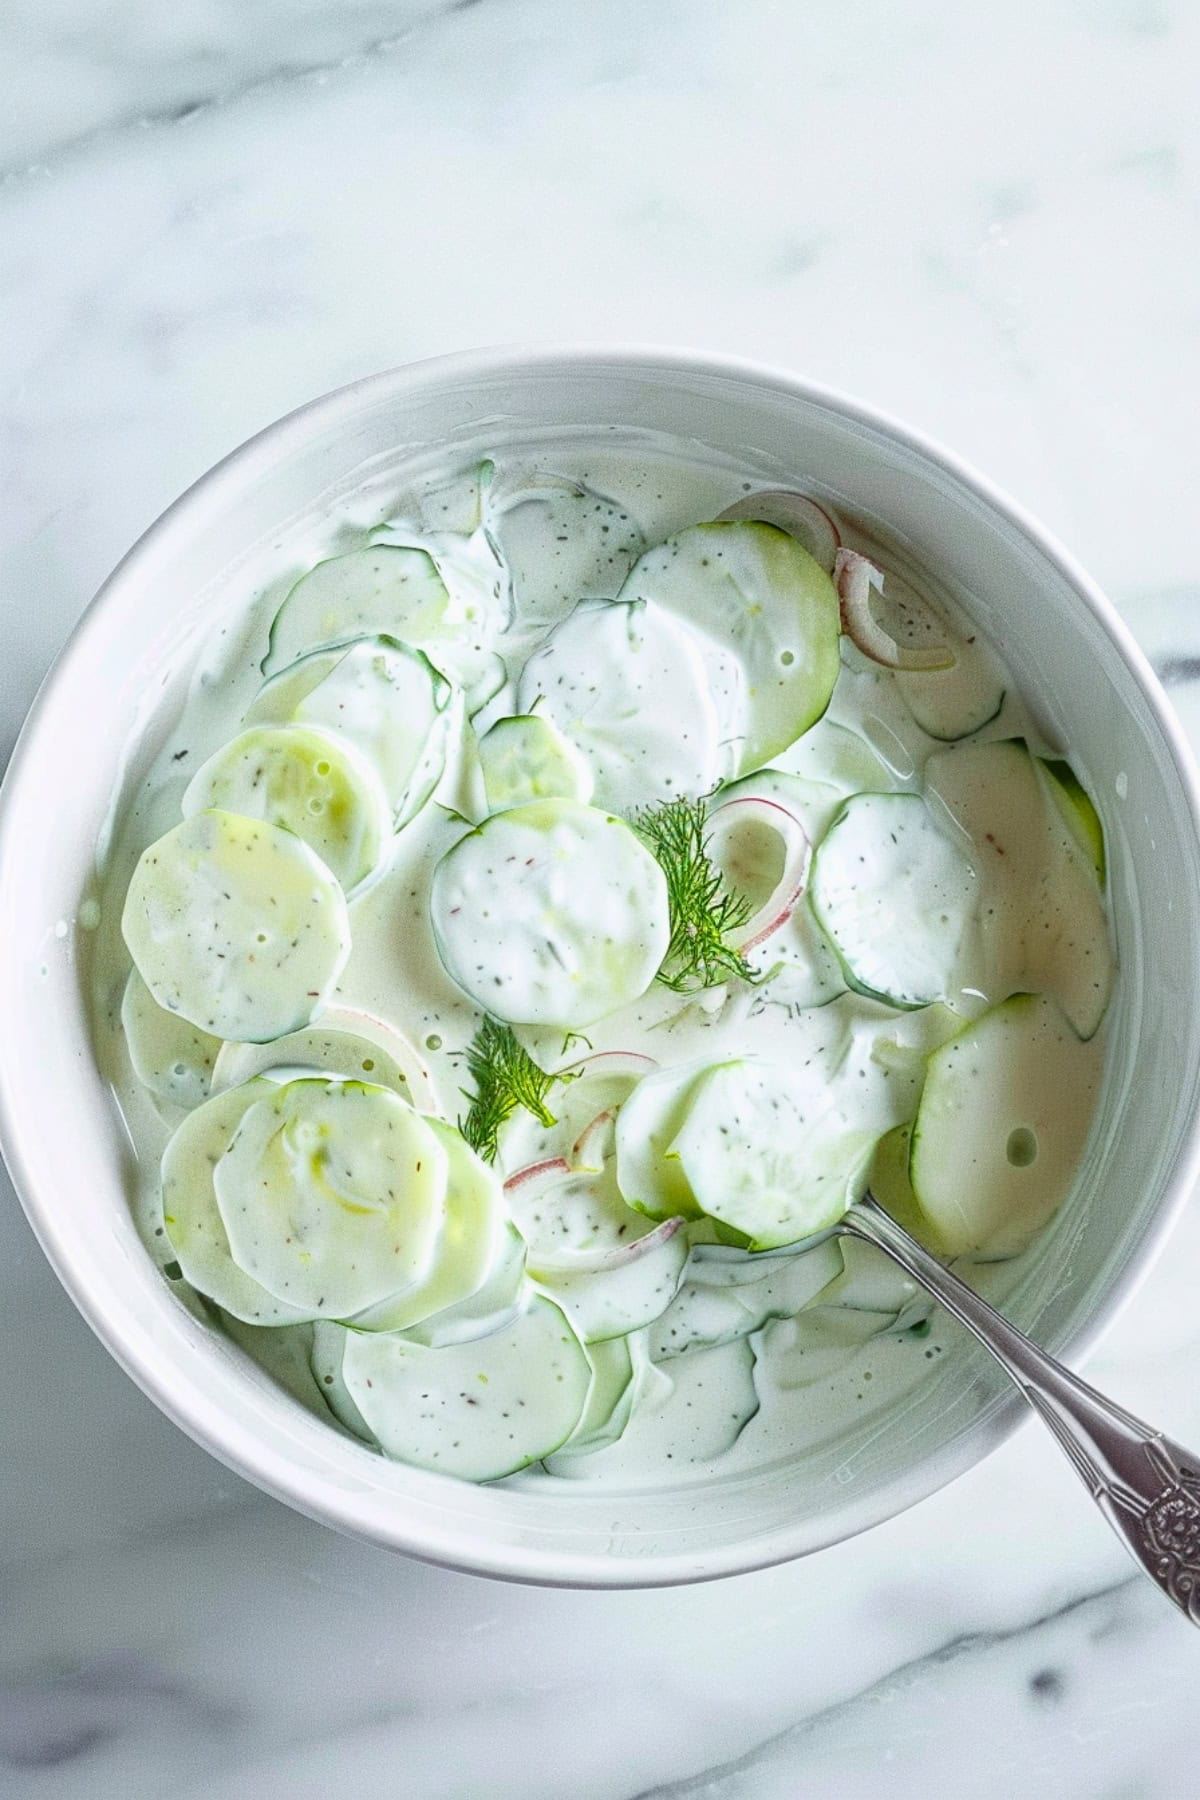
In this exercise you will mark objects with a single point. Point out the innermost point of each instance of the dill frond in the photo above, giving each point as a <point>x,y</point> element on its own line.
<point>504,1077</point>
<point>703,911</point>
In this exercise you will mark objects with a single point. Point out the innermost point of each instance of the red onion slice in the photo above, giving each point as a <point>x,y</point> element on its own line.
<point>777,908</point>
<point>545,1174</point>
<point>595,1142</point>
<point>811,526</point>
<point>856,576</point>
<point>601,1262</point>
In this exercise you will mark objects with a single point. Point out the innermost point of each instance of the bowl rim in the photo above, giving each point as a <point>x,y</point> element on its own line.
<point>189,1407</point>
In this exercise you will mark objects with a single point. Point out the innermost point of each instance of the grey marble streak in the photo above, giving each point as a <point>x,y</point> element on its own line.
<point>74,81</point>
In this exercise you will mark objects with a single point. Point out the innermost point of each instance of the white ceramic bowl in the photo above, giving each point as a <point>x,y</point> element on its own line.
<point>1075,659</point>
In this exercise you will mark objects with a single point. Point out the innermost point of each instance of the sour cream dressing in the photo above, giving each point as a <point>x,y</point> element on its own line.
<point>742,1359</point>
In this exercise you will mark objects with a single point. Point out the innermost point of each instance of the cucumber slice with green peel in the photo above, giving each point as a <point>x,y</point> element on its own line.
<point>1078,811</point>
<point>956,703</point>
<point>236,925</point>
<point>493,1304</point>
<point>170,1056</point>
<point>1001,1128</point>
<point>479,672</point>
<point>384,589</point>
<point>325,1360</point>
<point>385,697</point>
<point>727,1294</point>
<point>649,1173</point>
<point>551,913</point>
<point>560,543</point>
<point>777,1152</point>
<point>612,1296</point>
<point>755,591</point>
<point>683,1414</point>
<point>305,781</point>
<point>332,1194</point>
<point>479,1410</point>
<point>192,1219</point>
<point>834,756</point>
<point>347,1043</point>
<point>627,685</point>
<point>467,1245</point>
<point>814,803</point>
<point>1043,923</point>
<point>869,1281</point>
<point>895,897</point>
<point>608,1405</point>
<point>526,757</point>
<point>563,1212</point>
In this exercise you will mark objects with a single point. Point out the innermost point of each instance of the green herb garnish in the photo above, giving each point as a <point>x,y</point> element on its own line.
<point>703,910</point>
<point>505,1077</point>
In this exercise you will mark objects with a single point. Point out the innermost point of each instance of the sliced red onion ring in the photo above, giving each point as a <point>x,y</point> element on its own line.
<point>810,525</point>
<point>777,908</point>
<point>595,1142</point>
<point>547,1173</point>
<point>612,1062</point>
<point>856,576</point>
<point>600,1262</point>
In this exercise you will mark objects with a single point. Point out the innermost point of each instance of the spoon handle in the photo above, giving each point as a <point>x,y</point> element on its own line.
<point>1146,1486</point>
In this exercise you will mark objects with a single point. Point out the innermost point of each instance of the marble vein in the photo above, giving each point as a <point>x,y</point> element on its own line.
<point>727,1781</point>
<point>254,83</point>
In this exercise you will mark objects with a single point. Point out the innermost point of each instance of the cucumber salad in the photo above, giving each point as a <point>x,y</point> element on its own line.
<point>562,889</point>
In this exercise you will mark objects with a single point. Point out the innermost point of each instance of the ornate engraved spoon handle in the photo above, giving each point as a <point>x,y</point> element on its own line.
<point>1147,1487</point>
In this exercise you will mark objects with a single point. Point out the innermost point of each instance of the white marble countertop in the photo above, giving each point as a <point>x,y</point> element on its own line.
<point>986,219</point>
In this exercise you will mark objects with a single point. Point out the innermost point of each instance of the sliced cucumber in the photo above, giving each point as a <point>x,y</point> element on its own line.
<point>727,1294</point>
<point>325,1360</point>
<point>609,1401</point>
<point>560,543</point>
<point>649,1173</point>
<point>1080,815</point>
<point>1042,917</point>
<point>683,1415</point>
<point>552,913</point>
<point>815,803</point>
<point>776,1152</point>
<point>574,1212</point>
<point>308,782</point>
<point>607,1298</point>
<point>755,591</point>
<point>170,1056</point>
<point>895,897</point>
<point>236,925</point>
<point>332,1194</point>
<point>957,702</point>
<point>479,1410</point>
<point>837,757</point>
<point>869,1281</point>
<point>1001,1128</point>
<point>627,685</point>
<point>493,1304</point>
<point>193,1221</point>
<point>528,758</point>
<point>348,1043</point>
<point>467,1246</point>
<point>385,697</point>
<point>391,589</point>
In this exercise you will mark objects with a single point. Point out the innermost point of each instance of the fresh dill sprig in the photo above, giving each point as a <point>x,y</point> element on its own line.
<point>703,910</point>
<point>505,1077</point>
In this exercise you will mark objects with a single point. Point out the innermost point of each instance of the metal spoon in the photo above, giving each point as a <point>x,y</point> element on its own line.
<point>1147,1487</point>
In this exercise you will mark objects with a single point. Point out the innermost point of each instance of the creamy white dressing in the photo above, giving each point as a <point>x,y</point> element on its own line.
<point>817,1344</point>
